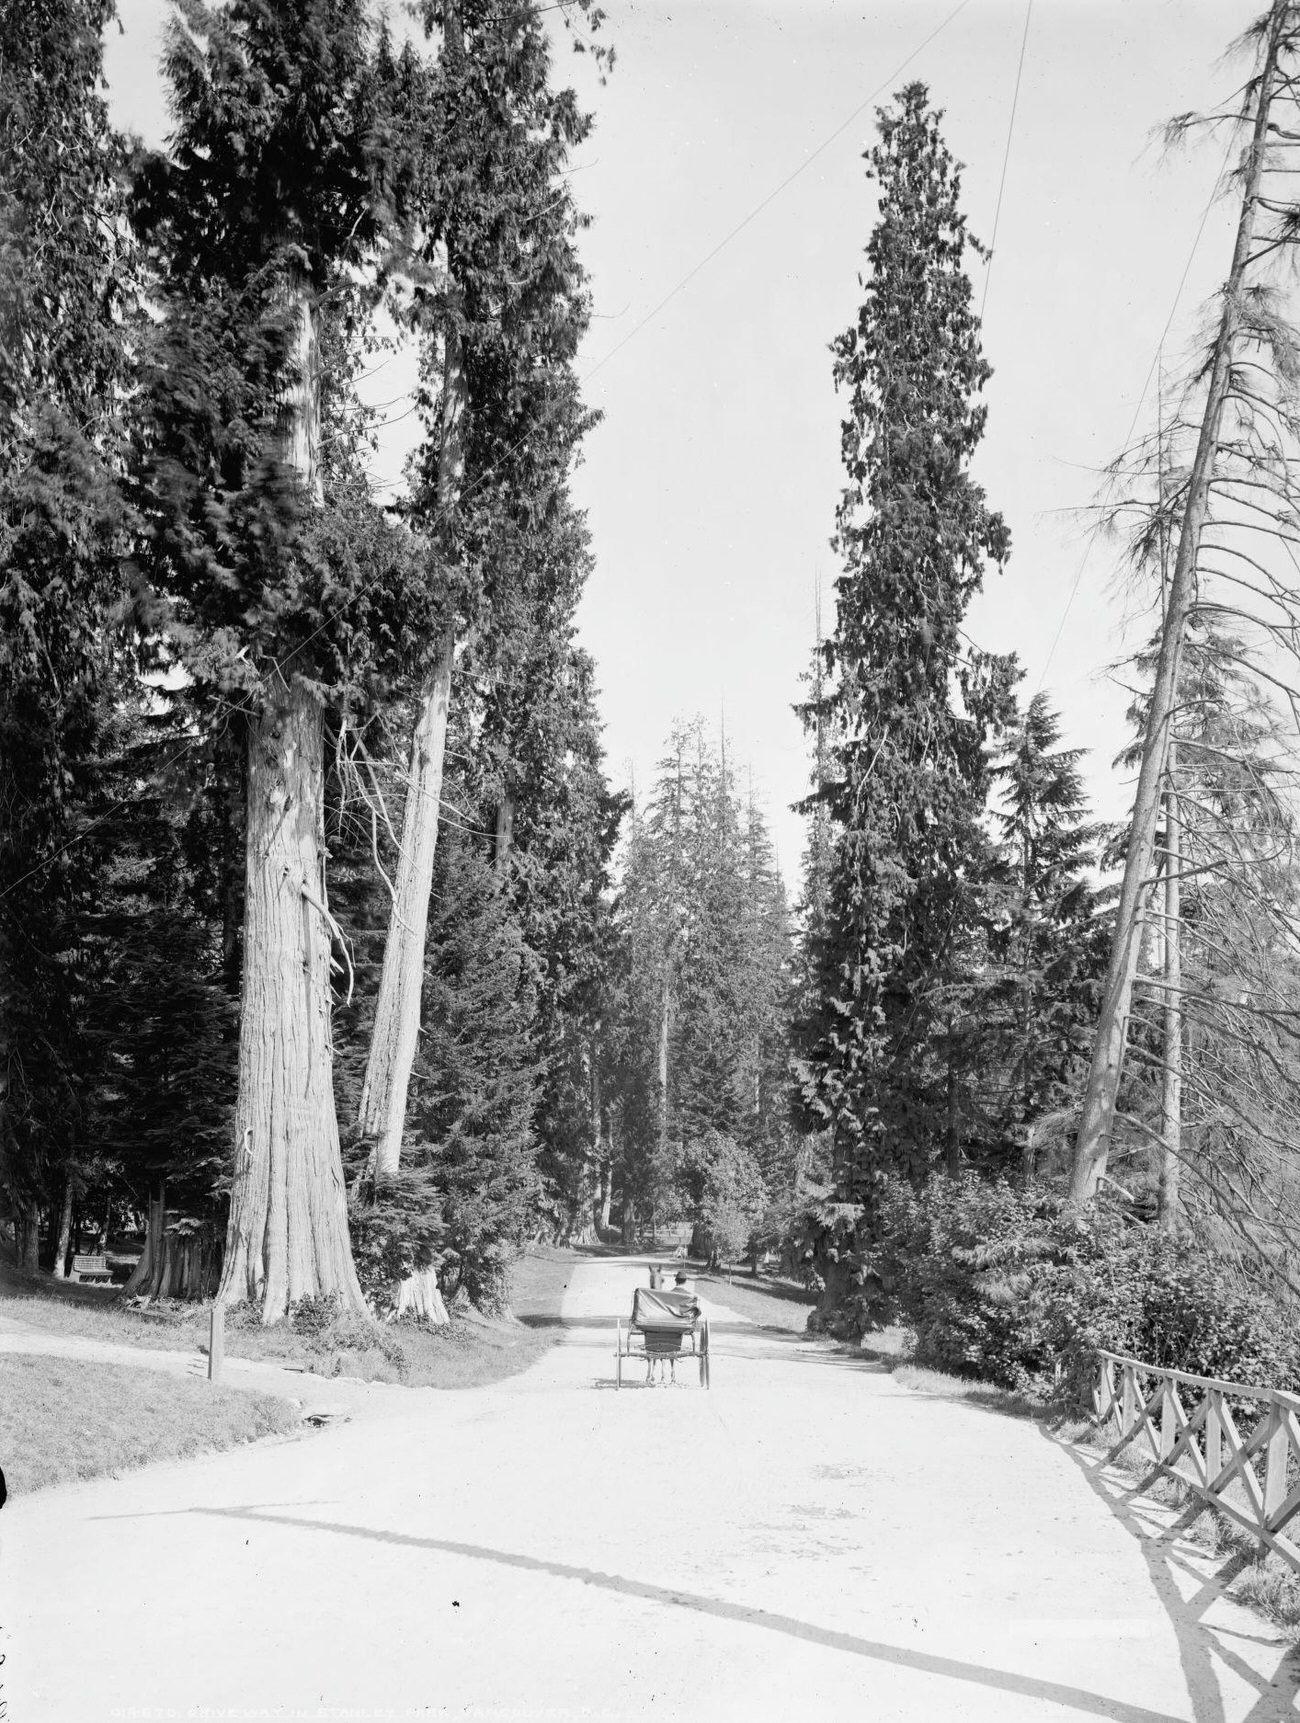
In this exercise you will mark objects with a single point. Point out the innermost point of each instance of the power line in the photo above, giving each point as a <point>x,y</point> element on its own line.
<point>776,191</point>
<point>1151,371</point>
<point>1006,158</point>
<point>672,293</point>
<point>279,664</point>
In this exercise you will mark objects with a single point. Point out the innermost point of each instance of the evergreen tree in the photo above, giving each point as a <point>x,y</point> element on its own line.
<point>702,1024</point>
<point>476,1077</point>
<point>907,769</point>
<point>61,388</point>
<point>498,305</point>
<point>273,579</point>
<point>1038,1003</point>
<point>159,1028</point>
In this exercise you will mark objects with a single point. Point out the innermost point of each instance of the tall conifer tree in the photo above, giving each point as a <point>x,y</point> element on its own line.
<point>906,766</point>
<point>274,579</point>
<point>61,368</point>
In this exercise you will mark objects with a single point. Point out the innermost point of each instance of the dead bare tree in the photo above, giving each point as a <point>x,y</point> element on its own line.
<point>1240,484</point>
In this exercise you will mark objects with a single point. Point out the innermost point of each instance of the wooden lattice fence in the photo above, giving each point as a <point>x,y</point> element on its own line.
<point>1237,1448</point>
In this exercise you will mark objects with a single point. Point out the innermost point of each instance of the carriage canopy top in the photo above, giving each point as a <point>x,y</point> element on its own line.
<point>669,1312</point>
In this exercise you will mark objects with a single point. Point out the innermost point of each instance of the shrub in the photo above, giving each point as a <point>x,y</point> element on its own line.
<point>397,1230</point>
<point>1010,1286</point>
<point>351,1333</point>
<point>312,1315</point>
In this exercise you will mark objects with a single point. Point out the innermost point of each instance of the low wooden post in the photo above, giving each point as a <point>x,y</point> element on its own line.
<point>1107,1400</point>
<point>216,1341</point>
<point>1167,1435</point>
<point>1279,1449</point>
<point>1213,1436</point>
<point>1128,1412</point>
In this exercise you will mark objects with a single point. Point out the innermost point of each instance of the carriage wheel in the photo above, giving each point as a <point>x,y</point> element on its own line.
<point>618,1368</point>
<point>704,1354</point>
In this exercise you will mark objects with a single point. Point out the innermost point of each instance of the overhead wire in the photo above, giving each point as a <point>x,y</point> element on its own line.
<point>1141,400</point>
<point>672,293</point>
<point>278,665</point>
<point>1006,159</point>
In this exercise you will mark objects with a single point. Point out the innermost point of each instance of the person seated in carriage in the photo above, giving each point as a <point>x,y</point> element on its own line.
<point>681,1296</point>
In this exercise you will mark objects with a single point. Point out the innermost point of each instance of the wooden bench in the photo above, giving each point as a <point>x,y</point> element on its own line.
<point>92,1268</point>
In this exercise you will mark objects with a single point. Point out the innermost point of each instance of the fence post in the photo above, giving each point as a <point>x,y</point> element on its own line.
<point>1166,1416</point>
<point>1213,1436</point>
<point>1104,1393</point>
<point>1129,1409</point>
<point>1279,1449</point>
<point>216,1341</point>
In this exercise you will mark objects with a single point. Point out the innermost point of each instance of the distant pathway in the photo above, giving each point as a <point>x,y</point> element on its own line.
<point>808,1539</point>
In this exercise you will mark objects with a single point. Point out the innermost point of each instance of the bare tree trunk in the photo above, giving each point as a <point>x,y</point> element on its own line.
<point>1093,1144</point>
<point>1172,1096</point>
<point>665,1009</point>
<point>27,1239</point>
<point>65,1232</point>
<point>595,1191</point>
<point>504,841</point>
<point>418,1295</point>
<point>606,1197</point>
<point>382,1114</point>
<point>953,1157</point>
<point>146,1276</point>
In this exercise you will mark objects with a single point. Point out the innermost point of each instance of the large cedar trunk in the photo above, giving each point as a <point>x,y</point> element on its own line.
<point>147,1273</point>
<point>288,1236</point>
<point>382,1115</point>
<point>180,1259</point>
<point>418,1296</point>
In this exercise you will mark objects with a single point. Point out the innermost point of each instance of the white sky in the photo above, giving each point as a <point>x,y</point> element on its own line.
<point>711,485</point>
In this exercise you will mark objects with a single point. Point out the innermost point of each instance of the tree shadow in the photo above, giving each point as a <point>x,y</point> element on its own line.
<point>721,1609</point>
<point>782,1289</point>
<point>1195,1636</point>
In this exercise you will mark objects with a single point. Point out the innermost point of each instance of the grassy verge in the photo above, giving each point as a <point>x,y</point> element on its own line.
<point>471,1352</point>
<point>65,1419</point>
<point>987,1394</point>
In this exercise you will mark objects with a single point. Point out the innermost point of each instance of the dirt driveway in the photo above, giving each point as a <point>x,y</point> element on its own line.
<point>806,1538</point>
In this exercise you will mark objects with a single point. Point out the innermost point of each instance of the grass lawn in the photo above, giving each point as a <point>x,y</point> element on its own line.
<point>469,1353</point>
<point>65,1419</point>
<point>770,1302</point>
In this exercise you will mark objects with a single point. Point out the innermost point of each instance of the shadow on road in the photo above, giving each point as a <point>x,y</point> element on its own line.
<point>1197,1639</point>
<point>673,1597</point>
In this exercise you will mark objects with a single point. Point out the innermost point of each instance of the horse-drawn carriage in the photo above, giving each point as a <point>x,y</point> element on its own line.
<point>660,1326</point>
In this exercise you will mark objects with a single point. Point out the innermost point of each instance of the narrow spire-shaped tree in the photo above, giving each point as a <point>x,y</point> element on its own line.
<point>907,772</point>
